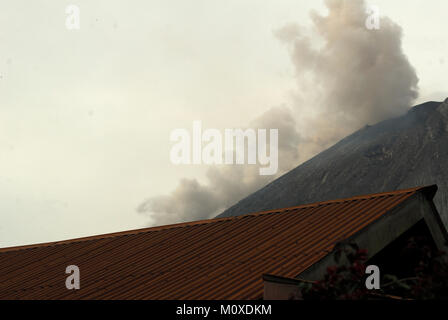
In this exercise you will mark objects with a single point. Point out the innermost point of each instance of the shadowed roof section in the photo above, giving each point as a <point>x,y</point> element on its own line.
<point>211,259</point>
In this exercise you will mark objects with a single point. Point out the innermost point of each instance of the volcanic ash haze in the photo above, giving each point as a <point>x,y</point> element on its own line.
<point>404,152</point>
<point>346,76</point>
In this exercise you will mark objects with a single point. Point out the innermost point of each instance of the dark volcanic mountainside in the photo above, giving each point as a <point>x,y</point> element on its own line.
<point>408,151</point>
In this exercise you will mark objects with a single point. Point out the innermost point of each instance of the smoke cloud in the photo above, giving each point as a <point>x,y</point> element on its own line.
<point>225,184</point>
<point>347,77</point>
<point>351,76</point>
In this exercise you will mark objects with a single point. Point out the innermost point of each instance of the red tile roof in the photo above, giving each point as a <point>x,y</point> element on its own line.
<point>221,258</point>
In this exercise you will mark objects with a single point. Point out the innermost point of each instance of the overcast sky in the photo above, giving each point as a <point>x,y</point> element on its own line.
<point>85,115</point>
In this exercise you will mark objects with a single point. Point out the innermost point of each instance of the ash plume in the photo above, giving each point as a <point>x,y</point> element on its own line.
<point>225,185</point>
<point>347,77</point>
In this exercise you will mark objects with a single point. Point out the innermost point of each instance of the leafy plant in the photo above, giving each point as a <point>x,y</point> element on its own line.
<point>346,279</point>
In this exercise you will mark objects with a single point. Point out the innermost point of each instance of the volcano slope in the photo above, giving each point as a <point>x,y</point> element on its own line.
<point>404,152</point>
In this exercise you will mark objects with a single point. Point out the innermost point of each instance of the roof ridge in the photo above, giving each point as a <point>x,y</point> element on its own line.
<point>208,221</point>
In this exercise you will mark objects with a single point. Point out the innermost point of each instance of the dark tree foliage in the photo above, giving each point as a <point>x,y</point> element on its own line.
<point>428,277</point>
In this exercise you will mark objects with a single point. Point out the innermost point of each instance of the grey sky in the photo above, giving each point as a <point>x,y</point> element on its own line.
<point>85,115</point>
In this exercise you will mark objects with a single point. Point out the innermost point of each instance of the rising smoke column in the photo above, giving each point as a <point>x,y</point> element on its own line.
<point>347,77</point>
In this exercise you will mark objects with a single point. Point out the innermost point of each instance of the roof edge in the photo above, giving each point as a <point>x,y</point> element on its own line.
<point>428,191</point>
<point>284,280</point>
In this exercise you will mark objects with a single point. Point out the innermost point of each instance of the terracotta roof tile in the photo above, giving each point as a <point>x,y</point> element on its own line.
<point>221,258</point>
